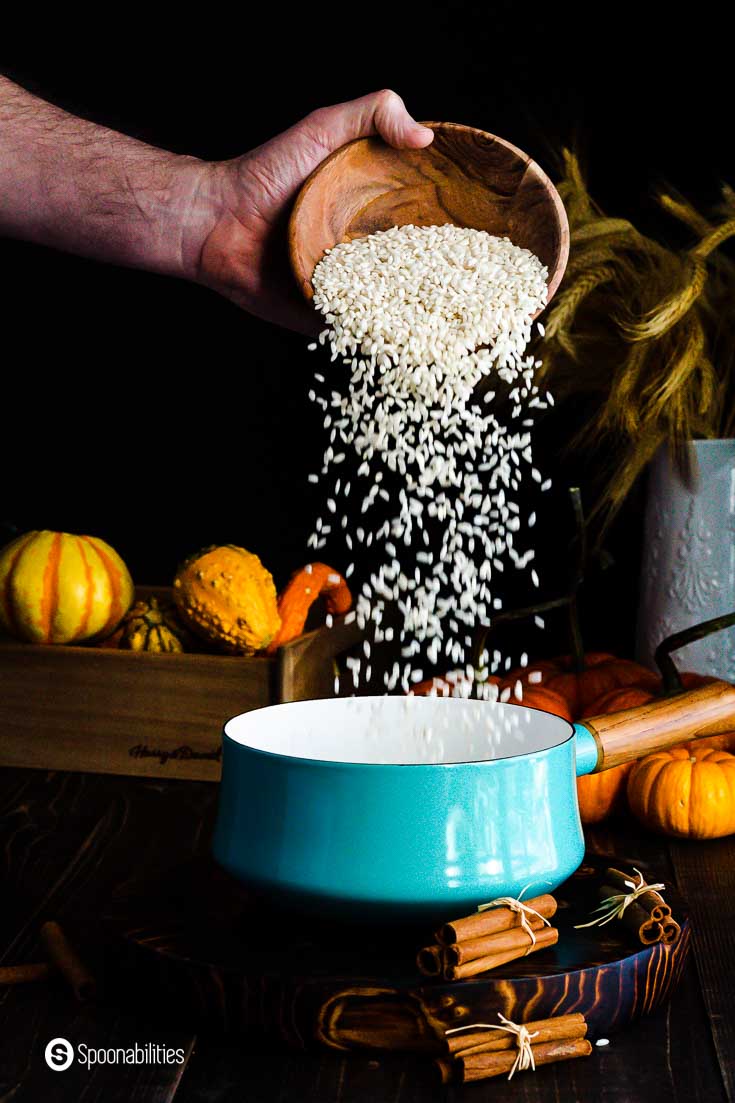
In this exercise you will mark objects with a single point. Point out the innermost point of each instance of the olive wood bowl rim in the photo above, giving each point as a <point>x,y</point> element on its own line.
<point>555,277</point>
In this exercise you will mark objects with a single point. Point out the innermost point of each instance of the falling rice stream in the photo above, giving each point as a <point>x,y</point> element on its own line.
<point>432,324</point>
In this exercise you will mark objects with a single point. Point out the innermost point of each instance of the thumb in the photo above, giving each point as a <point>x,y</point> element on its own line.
<point>382,113</point>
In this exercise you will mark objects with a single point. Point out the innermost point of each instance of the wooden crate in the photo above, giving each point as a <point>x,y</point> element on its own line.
<point>156,715</point>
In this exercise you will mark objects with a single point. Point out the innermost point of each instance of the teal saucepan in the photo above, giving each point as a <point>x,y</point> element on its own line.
<point>410,806</point>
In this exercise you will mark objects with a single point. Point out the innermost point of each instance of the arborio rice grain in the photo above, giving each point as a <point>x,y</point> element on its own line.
<point>419,316</point>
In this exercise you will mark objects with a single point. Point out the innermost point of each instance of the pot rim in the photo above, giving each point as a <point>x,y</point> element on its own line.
<point>329,762</point>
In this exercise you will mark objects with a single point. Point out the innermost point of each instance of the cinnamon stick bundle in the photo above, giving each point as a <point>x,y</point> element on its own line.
<point>515,938</point>
<point>482,1066</point>
<point>482,1054</point>
<point>650,901</point>
<point>480,942</point>
<point>523,946</point>
<point>496,1041</point>
<point>492,921</point>
<point>63,956</point>
<point>638,921</point>
<point>480,955</point>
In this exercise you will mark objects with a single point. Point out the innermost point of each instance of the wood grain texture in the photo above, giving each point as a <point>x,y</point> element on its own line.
<point>72,841</point>
<point>231,961</point>
<point>67,840</point>
<point>466,177</point>
<point>656,1062</point>
<point>31,1024</point>
<point>306,666</point>
<point>632,733</point>
<point>122,711</point>
<point>144,714</point>
<point>707,874</point>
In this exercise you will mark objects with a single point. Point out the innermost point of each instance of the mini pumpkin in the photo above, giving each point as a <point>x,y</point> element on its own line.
<point>581,688</point>
<point>600,794</point>
<point>56,587</point>
<point>226,596</point>
<point>688,792</point>
<point>602,673</point>
<point>533,697</point>
<point>559,664</point>
<point>304,587</point>
<point>152,625</point>
<point>540,697</point>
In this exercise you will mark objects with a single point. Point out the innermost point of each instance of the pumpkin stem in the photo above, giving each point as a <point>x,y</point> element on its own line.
<point>665,663</point>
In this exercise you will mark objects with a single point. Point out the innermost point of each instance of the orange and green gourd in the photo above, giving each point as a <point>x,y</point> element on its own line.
<point>56,587</point>
<point>152,624</point>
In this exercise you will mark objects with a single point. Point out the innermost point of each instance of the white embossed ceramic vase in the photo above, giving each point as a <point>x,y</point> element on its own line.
<point>688,568</point>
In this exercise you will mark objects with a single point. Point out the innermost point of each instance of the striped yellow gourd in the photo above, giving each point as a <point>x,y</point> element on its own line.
<point>59,588</point>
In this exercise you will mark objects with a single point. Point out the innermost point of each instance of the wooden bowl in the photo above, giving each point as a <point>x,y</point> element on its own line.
<point>465,177</point>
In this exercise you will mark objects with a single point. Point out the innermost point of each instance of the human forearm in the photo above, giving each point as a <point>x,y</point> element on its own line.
<point>73,185</point>
<point>80,187</point>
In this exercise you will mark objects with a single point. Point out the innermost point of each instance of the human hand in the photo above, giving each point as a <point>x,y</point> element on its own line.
<point>236,237</point>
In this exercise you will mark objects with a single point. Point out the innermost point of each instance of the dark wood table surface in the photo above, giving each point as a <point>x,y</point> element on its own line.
<point>68,840</point>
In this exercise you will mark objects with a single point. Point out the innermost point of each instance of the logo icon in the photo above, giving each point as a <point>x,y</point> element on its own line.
<point>59,1054</point>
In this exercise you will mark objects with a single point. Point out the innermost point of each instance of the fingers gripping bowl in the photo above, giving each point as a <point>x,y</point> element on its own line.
<point>423,806</point>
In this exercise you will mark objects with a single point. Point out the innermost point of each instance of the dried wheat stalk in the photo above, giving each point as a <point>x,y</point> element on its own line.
<point>648,331</point>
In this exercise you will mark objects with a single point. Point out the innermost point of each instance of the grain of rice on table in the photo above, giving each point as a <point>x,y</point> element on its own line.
<point>420,316</point>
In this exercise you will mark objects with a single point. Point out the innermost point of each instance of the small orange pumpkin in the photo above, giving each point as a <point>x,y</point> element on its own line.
<point>582,688</point>
<point>535,674</point>
<point>688,792</point>
<point>600,794</point>
<point>540,697</point>
<point>534,697</point>
<point>602,673</point>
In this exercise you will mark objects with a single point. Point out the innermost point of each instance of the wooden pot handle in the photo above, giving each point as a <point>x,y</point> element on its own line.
<point>633,733</point>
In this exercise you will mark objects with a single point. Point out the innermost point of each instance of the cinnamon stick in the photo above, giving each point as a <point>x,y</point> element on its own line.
<point>430,961</point>
<point>638,921</point>
<point>496,1041</point>
<point>650,901</point>
<point>671,930</point>
<point>66,960</point>
<point>491,921</point>
<point>482,1066</point>
<point>22,974</point>
<point>445,1069</point>
<point>513,939</point>
<point>650,932</point>
<point>546,937</point>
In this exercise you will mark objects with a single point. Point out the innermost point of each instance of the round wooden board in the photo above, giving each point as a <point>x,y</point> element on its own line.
<point>198,947</point>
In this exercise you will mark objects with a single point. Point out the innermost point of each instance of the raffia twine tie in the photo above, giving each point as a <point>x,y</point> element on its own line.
<point>614,906</point>
<point>524,1060</point>
<point>516,905</point>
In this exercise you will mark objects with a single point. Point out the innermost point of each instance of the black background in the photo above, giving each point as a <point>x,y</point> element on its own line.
<point>160,417</point>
